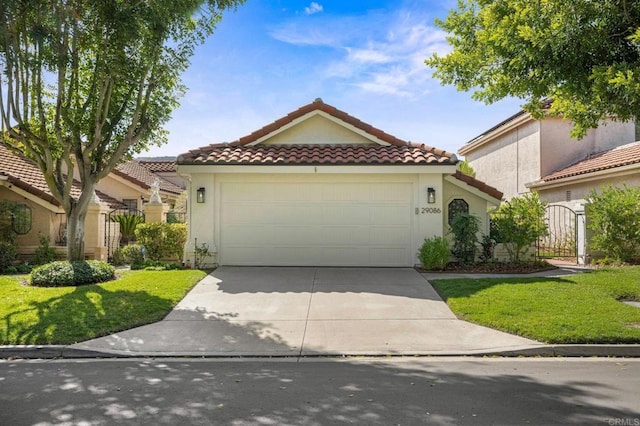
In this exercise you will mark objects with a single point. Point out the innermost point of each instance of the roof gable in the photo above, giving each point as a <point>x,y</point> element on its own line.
<point>317,128</point>
<point>318,133</point>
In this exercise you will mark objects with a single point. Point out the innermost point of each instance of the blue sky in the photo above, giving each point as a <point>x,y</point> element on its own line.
<point>364,57</point>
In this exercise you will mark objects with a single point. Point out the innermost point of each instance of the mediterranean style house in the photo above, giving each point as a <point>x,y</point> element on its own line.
<point>127,188</point>
<point>319,187</point>
<point>522,153</point>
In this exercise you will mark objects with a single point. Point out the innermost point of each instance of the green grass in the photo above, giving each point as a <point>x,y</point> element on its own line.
<point>64,315</point>
<point>582,308</point>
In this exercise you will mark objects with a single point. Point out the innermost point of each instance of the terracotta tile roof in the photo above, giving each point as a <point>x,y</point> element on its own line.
<point>241,152</point>
<point>370,154</point>
<point>158,166</point>
<point>24,174</point>
<point>471,181</point>
<point>143,177</point>
<point>617,157</point>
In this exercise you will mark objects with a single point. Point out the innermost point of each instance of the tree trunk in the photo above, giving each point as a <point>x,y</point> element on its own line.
<point>75,234</point>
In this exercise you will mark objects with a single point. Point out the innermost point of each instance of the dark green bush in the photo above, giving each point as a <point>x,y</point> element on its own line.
<point>24,268</point>
<point>614,218</point>
<point>465,228</point>
<point>7,254</point>
<point>10,270</point>
<point>128,255</point>
<point>44,252</point>
<point>65,273</point>
<point>162,240</point>
<point>434,253</point>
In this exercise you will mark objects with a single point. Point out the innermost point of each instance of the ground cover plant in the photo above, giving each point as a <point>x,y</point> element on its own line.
<point>581,308</point>
<point>65,315</point>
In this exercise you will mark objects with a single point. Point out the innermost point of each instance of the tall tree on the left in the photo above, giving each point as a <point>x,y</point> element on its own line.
<point>85,84</point>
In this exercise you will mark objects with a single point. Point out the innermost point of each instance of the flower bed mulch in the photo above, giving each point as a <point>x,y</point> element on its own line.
<point>495,268</point>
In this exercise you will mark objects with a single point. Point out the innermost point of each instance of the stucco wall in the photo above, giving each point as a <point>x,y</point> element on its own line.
<point>477,207</point>
<point>120,191</point>
<point>580,190</point>
<point>317,130</point>
<point>559,150</point>
<point>43,220</point>
<point>510,161</point>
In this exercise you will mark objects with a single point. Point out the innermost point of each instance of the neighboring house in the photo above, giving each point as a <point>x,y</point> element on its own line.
<point>617,166</point>
<point>131,182</point>
<point>165,168</point>
<point>521,150</point>
<point>319,187</point>
<point>22,182</point>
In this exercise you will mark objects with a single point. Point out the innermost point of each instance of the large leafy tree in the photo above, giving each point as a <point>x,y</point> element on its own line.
<point>583,54</point>
<point>85,84</point>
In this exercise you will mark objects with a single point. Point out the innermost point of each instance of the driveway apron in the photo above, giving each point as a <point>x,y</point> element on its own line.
<point>280,311</point>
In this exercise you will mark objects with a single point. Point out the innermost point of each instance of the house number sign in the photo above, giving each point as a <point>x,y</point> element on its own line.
<point>431,210</point>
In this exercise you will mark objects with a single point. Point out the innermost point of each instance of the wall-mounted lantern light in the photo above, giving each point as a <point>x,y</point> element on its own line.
<point>431,195</point>
<point>200,195</point>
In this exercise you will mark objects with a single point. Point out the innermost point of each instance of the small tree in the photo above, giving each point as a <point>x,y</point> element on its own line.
<point>520,222</point>
<point>464,228</point>
<point>614,216</point>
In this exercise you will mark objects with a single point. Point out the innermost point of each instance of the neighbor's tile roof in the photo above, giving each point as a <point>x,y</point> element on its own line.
<point>156,166</point>
<point>241,152</point>
<point>24,174</point>
<point>471,181</point>
<point>143,177</point>
<point>617,157</point>
<point>370,154</point>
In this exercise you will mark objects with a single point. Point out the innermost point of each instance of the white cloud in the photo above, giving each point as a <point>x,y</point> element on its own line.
<point>313,8</point>
<point>380,52</point>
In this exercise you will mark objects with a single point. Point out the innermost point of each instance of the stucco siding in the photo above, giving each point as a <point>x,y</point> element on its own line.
<point>510,161</point>
<point>559,150</point>
<point>316,130</point>
<point>580,190</point>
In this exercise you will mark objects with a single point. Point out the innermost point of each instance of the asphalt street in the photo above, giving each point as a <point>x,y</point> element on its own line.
<point>321,391</point>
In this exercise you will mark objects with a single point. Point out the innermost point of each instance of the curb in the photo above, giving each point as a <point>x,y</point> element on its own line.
<point>568,351</point>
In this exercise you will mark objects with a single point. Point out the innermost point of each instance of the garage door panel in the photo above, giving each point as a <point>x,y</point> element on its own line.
<point>381,236</point>
<point>345,236</point>
<point>390,215</point>
<point>316,223</point>
<point>241,235</point>
<point>294,235</point>
<point>345,192</point>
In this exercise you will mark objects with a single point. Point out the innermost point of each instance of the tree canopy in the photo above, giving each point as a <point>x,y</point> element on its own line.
<point>86,83</point>
<point>582,54</point>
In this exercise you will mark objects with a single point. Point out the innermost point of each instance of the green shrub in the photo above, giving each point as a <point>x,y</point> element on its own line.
<point>614,216</point>
<point>65,273</point>
<point>128,255</point>
<point>24,268</point>
<point>434,253</point>
<point>44,253</point>
<point>7,254</point>
<point>10,270</point>
<point>488,248</point>
<point>464,228</point>
<point>162,240</point>
<point>128,224</point>
<point>519,223</point>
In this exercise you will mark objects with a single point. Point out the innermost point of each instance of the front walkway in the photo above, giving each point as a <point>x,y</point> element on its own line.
<point>244,311</point>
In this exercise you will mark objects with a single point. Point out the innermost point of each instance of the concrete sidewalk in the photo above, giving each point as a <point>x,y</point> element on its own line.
<point>242,311</point>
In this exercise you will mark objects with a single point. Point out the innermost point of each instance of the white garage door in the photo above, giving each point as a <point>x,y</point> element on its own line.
<point>316,224</point>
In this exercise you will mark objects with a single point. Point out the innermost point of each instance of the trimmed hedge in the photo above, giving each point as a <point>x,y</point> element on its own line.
<point>65,273</point>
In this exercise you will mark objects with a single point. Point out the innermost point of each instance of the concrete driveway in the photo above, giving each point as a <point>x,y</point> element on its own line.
<point>275,311</point>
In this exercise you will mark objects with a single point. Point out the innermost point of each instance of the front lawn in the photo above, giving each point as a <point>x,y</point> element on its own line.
<point>64,315</point>
<point>581,308</point>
